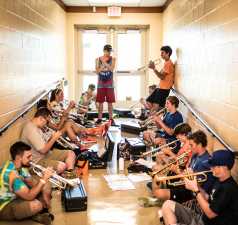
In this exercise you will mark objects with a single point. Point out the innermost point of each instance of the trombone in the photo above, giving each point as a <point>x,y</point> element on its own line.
<point>158,149</point>
<point>164,170</point>
<point>171,180</point>
<point>55,179</point>
<point>156,62</point>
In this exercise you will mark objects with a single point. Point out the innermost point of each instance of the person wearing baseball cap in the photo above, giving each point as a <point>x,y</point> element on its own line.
<point>220,207</point>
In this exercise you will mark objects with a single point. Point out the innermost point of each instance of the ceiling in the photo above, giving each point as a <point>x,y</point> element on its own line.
<point>125,3</point>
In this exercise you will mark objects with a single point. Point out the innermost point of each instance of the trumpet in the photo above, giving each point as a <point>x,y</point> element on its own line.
<point>150,120</point>
<point>164,170</point>
<point>199,176</point>
<point>156,62</point>
<point>62,141</point>
<point>159,148</point>
<point>132,106</point>
<point>55,179</point>
<point>70,115</point>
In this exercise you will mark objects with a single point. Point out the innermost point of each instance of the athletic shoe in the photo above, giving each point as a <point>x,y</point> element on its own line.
<point>150,202</point>
<point>43,218</point>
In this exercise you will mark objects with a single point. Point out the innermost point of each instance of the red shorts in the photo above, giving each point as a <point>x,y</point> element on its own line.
<point>105,95</point>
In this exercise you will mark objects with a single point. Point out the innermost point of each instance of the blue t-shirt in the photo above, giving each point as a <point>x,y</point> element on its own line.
<point>199,164</point>
<point>171,120</point>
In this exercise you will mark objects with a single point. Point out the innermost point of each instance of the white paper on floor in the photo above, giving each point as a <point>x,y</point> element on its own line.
<point>119,182</point>
<point>139,177</point>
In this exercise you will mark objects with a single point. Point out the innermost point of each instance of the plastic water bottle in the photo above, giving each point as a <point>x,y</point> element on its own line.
<point>121,164</point>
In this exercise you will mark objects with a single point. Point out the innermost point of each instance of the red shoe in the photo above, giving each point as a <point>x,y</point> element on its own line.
<point>112,122</point>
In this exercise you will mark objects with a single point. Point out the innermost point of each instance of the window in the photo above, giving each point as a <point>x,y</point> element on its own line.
<point>129,51</point>
<point>89,79</point>
<point>93,43</point>
<point>127,48</point>
<point>128,87</point>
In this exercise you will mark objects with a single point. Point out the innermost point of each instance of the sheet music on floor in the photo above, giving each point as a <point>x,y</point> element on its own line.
<point>148,164</point>
<point>139,177</point>
<point>119,182</point>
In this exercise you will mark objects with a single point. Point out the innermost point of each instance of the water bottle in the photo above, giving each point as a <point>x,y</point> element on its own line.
<point>121,164</point>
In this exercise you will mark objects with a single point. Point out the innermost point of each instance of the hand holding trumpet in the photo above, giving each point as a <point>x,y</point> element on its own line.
<point>151,65</point>
<point>47,173</point>
<point>191,182</point>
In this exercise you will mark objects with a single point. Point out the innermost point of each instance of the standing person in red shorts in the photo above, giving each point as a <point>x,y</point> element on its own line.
<point>105,89</point>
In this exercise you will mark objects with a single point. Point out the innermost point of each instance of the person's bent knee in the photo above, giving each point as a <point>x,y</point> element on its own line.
<point>71,155</point>
<point>35,206</point>
<point>161,193</point>
<point>168,205</point>
<point>61,167</point>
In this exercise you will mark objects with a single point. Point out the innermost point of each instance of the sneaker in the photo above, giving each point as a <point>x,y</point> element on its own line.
<point>43,218</point>
<point>112,122</point>
<point>150,202</point>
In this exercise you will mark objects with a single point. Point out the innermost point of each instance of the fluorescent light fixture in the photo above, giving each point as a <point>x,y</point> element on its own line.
<point>113,2</point>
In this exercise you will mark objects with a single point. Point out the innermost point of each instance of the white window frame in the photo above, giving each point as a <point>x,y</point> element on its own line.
<point>111,39</point>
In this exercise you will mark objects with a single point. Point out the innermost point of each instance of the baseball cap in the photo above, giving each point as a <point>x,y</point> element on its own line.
<point>222,157</point>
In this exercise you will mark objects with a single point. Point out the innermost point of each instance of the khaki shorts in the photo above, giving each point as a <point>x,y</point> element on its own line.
<point>16,210</point>
<point>186,216</point>
<point>52,158</point>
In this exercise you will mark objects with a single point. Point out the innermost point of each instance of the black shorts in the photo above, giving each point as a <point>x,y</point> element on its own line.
<point>180,194</point>
<point>159,96</point>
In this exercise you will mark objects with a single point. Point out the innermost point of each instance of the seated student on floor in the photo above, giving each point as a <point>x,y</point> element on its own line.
<point>144,102</point>
<point>198,163</point>
<point>166,155</point>
<point>21,196</point>
<point>166,125</point>
<point>42,154</point>
<point>219,207</point>
<point>64,124</point>
<point>89,97</point>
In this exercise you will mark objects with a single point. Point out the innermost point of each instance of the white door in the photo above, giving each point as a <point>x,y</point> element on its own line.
<point>128,48</point>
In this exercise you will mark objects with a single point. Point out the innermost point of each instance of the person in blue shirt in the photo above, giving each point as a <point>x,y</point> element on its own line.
<point>166,124</point>
<point>199,162</point>
<point>19,192</point>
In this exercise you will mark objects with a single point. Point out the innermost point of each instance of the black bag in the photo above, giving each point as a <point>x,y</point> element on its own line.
<point>126,113</point>
<point>74,199</point>
<point>131,127</point>
<point>136,146</point>
<point>94,161</point>
<point>92,115</point>
<point>138,168</point>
